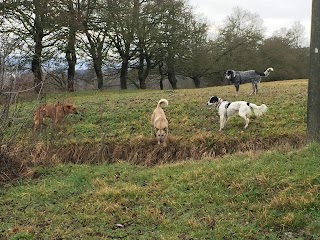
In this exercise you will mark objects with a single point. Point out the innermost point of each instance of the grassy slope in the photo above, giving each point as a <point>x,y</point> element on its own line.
<point>245,196</point>
<point>270,196</point>
<point>120,120</point>
<point>122,115</point>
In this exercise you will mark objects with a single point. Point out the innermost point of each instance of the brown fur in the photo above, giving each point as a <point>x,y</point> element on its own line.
<point>54,111</point>
<point>159,122</point>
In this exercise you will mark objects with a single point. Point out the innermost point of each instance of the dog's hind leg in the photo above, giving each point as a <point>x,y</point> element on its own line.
<point>246,119</point>
<point>253,89</point>
<point>255,86</point>
<point>237,89</point>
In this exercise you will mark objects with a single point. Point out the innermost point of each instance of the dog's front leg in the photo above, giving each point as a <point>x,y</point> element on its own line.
<point>35,126</point>
<point>247,122</point>
<point>223,121</point>
<point>166,137</point>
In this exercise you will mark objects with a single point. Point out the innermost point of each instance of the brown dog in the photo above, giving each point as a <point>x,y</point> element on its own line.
<point>160,122</point>
<point>54,111</point>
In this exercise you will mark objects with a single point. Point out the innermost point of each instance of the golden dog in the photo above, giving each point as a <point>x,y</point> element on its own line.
<point>54,111</point>
<point>159,122</point>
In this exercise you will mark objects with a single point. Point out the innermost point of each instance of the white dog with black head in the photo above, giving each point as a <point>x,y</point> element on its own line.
<point>228,109</point>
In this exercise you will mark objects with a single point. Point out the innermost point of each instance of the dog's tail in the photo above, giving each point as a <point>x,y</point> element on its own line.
<point>258,110</point>
<point>163,103</point>
<point>268,71</point>
<point>265,73</point>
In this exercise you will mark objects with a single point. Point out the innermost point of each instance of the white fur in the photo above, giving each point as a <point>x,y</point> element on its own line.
<point>268,71</point>
<point>239,107</point>
<point>163,102</point>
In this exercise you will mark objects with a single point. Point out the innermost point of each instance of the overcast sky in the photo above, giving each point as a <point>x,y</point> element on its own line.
<point>275,13</point>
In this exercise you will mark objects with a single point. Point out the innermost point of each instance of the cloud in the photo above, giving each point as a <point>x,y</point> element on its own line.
<point>275,14</point>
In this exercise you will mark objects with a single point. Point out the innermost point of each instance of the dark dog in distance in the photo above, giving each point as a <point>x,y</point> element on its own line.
<point>240,77</point>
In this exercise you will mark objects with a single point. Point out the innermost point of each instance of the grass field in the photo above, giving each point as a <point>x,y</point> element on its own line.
<point>115,125</point>
<point>261,183</point>
<point>270,195</point>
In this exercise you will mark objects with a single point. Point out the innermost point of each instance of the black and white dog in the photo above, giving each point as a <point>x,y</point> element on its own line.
<point>241,77</point>
<point>228,109</point>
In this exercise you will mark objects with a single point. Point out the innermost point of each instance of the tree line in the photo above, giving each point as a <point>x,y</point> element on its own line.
<point>150,36</point>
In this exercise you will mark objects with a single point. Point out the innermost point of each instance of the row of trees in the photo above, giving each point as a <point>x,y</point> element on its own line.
<point>146,35</point>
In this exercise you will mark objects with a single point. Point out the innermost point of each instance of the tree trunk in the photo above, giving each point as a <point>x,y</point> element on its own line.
<point>196,81</point>
<point>124,72</point>
<point>172,77</point>
<point>142,80</point>
<point>161,83</point>
<point>36,61</point>
<point>143,71</point>
<point>313,112</point>
<point>95,50</point>
<point>71,59</point>
<point>161,75</point>
<point>97,65</point>
<point>37,73</point>
<point>1,70</point>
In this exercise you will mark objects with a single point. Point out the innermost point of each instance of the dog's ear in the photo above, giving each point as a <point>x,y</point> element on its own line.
<point>233,73</point>
<point>214,99</point>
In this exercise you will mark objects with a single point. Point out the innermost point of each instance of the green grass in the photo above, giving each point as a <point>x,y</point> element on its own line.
<point>115,125</point>
<point>123,115</point>
<point>267,196</point>
<point>268,189</point>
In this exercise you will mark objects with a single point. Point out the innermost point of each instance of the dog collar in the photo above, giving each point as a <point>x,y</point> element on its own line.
<point>219,103</point>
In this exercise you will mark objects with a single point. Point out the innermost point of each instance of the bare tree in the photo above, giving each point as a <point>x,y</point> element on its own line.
<point>96,29</point>
<point>195,61</point>
<point>74,20</point>
<point>8,46</point>
<point>122,15</point>
<point>293,36</point>
<point>31,21</point>
<point>146,34</point>
<point>240,38</point>
<point>172,34</point>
